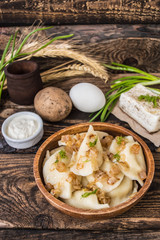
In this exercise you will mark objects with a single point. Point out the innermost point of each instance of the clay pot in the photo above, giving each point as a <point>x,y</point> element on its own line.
<point>23,81</point>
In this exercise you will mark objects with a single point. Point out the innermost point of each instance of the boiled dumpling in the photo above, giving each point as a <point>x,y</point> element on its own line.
<point>131,159</point>
<point>108,177</point>
<point>56,172</point>
<point>119,143</point>
<point>90,202</point>
<point>89,157</point>
<point>123,192</point>
<point>132,162</point>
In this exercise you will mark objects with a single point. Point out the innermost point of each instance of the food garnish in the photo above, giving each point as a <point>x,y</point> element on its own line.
<point>116,157</point>
<point>119,139</point>
<point>92,144</point>
<point>86,194</point>
<point>148,98</point>
<point>62,154</point>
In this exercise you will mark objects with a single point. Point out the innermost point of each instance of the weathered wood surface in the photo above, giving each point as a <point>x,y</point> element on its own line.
<point>79,11</point>
<point>23,206</point>
<point>24,212</point>
<point>78,235</point>
<point>136,45</point>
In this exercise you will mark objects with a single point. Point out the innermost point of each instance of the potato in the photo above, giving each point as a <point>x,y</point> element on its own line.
<point>52,104</point>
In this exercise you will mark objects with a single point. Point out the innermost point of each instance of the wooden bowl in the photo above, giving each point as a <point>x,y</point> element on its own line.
<point>114,130</point>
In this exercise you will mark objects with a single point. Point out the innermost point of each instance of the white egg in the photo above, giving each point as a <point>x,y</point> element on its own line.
<point>87,97</point>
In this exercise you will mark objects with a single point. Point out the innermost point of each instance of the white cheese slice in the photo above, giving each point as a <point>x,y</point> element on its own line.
<point>141,111</point>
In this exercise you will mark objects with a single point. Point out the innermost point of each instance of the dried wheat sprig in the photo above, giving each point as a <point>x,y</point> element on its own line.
<point>81,69</point>
<point>88,61</point>
<point>64,50</point>
<point>61,75</point>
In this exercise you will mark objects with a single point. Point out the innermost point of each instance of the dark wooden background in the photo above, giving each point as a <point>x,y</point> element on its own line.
<point>24,212</point>
<point>18,12</point>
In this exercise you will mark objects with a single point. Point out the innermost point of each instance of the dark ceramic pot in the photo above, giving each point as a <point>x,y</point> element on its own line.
<point>23,81</point>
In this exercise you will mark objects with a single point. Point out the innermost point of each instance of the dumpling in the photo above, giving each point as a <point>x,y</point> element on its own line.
<point>108,177</point>
<point>130,160</point>
<point>90,202</point>
<point>119,143</point>
<point>89,157</point>
<point>123,192</point>
<point>56,173</point>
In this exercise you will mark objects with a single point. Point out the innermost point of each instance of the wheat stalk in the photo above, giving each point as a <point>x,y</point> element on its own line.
<point>90,65</point>
<point>74,69</point>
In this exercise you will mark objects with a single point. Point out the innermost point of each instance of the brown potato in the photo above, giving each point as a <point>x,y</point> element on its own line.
<point>52,104</point>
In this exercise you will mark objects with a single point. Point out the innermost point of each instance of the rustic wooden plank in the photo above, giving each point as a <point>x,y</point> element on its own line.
<point>80,235</point>
<point>79,11</point>
<point>110,43</point>
<point>94,33</point>
<point>23,206</point>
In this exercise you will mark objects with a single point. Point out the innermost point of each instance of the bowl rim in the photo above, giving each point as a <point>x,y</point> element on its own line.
<point>14,115</point>
<point>105,211</point>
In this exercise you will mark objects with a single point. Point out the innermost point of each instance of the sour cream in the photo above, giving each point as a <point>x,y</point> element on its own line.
<point>22,127</point>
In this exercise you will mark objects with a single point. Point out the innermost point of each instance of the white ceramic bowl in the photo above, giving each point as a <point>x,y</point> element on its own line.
<point>27,142</point>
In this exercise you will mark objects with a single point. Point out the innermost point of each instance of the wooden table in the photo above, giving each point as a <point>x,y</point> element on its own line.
<point>24,212</point>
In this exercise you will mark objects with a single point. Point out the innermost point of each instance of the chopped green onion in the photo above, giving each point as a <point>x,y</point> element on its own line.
<point>119,139</point>
<point>87,160</point>
<point>62,154</point>
<point>86,194</point>
<point>92,144</point>
<point>117,157</point>
<point>148,98</point>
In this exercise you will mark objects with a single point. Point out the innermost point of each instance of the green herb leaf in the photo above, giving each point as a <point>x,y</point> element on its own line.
<point>117,157</point>
<point>56,161</point>
<point>5,51</point>
<point>62,154</point>
<point>87,160</point>
<point>86,194</point>
<point>92,144</point>
<point>119,139</point>
<point>148,98</point>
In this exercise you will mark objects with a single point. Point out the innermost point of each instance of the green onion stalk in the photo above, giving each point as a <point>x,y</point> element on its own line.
<point>122,85</point>
<point>17,54</point>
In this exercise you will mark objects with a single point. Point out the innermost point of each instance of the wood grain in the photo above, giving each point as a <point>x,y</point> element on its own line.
<point>24,212</point>
<point>23,206</point>
<point>27,234</point>
<point>79,11</point>
<point>107,44</point>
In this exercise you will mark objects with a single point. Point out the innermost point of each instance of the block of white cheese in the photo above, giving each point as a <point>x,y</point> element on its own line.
<point>143,111</point>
